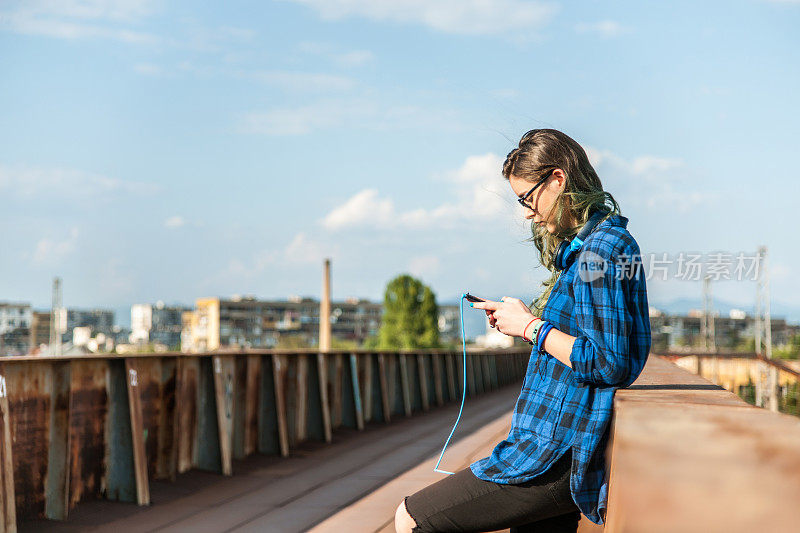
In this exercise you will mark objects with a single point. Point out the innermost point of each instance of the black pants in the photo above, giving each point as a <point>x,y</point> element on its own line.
<point>464,502</point>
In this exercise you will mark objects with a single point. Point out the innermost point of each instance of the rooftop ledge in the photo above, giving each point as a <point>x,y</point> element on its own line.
<point>685,455</point>
<point>688,455</point>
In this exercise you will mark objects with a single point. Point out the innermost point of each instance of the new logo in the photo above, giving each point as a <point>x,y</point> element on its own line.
<point>591,266</point>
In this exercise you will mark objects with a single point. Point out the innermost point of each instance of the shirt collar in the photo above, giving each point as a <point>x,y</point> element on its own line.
<point>615,220</point>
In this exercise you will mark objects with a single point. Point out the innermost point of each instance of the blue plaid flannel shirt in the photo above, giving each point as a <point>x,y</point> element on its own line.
<point>605,306</point>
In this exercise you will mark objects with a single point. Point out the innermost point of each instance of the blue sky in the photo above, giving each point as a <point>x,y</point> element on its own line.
<point>155,150</point>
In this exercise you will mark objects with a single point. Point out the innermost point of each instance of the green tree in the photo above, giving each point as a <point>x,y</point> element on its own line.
<point>410,316</point>
<point>790,351</point>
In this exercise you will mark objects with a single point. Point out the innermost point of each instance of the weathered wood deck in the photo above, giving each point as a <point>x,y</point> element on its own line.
<point>685,455</point>
<point>294,493</point>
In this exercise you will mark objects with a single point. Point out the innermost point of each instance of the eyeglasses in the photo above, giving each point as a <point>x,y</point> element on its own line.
<point>522,199</point>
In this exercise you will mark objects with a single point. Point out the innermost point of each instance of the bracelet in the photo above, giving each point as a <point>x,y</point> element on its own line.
<point>542,335</point>
<point>530,341</point>
<point>535,331</point>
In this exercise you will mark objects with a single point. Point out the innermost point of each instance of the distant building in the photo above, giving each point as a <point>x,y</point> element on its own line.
<point>353,320</point>
<point>121,335</point>
<point>681,332</point>
<point>15,328</point>
<point>449,324</point>
<point>157,324</point>
<point>98,320</point>
<point>251,323</point>
<point>40,329</point>
<point>247,322</point>
<point>81,335</point>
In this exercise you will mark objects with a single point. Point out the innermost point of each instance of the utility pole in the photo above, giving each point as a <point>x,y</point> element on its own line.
<point>325,310</point>
<point>767,384</point>
<point>708,317</point>
<point>56,318</point>
<point>325,346</point>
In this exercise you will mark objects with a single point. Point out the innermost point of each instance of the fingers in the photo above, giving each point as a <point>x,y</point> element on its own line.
<point>487,305</point>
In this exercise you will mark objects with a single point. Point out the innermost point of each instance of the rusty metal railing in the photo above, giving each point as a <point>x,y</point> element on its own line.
<point>103,426</point>
<point>772,382</point>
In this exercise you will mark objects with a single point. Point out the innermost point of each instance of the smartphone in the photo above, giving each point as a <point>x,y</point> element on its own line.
<point>471,298</point>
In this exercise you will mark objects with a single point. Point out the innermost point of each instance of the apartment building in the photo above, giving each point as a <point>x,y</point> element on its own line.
<point>252,323</point>
<point>40,329</point>
<point>15,328</point>
<point>157,324</point>
<point>686,331</point>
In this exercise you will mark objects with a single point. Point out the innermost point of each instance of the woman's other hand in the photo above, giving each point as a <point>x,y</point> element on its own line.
<point>509,316</point>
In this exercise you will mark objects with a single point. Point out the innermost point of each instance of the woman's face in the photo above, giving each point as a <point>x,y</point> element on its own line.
<point>542,200</point>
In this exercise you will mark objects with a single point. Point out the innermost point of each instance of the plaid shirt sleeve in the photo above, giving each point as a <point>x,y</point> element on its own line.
<point>608,299</point>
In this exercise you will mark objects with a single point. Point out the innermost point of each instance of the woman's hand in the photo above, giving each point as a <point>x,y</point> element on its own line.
<point>509,316</point>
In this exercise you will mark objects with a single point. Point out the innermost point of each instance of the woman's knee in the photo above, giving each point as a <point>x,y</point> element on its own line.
<point>403,523</point>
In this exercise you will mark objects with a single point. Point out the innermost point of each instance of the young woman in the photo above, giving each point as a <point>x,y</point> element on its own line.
<point>590,331</point>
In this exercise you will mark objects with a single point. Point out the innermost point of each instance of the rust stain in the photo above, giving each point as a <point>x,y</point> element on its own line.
<point>252,403</point>
<point>167,429</point>
<point>88,418</point>
<point>29,408</point>
<point>288,379</point>
<point>150,398</point>
<point>187,412</point>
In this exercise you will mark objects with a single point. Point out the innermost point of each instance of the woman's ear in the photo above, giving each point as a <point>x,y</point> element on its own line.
<point>560,178</point>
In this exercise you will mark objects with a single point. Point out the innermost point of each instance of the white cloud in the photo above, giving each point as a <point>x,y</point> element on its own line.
<point>505,93</point>
<point>26,181</point>
<point>472,17</point>
<point>49,251</point>
<point>352,58</point>
<point>355,58</point>
<point>603,28</point>
<point>639,165</point>
<point>304,81</point>
<point>330,114</point>
<point>295,121</point>
<point>125,10</point>
<point>478,191</point>
<point>484,195</point>
<point>237,33</point>
<point>363,208</point>
<point>647,164</point>
<point>647,180</point>
<point>174,222</point>
<point>424,266</point>
<point>81,19</point>
<point>147,69</point>
<point>24,24</point>
<point>290,81</point>
<point>303,250</point>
